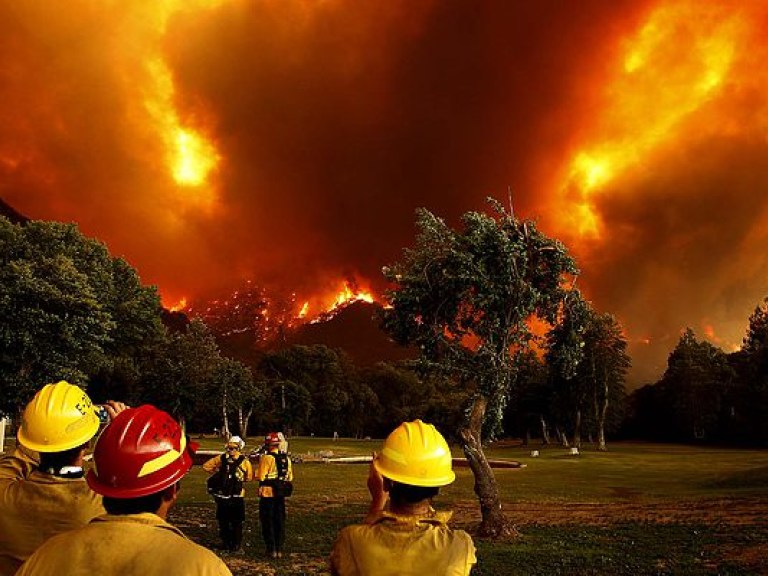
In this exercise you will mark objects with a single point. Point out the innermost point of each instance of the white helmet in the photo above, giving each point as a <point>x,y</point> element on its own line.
<point>236,441</point>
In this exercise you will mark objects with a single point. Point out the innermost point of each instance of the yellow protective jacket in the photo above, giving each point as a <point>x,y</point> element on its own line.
<point>395,545</point>
<point>124,544</point>
<point>244,471</point>
<point>35,506</point>
<point>268,471</point>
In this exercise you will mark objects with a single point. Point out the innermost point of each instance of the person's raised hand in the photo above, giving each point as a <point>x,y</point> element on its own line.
<point>379,495</point>
<point>114,408</point>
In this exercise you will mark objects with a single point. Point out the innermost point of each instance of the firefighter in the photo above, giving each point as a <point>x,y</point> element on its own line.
<point>139,461</point>
<point>403,534</point>
<point>234,468</point>
<point>272,505</point>
<point>42,489</point>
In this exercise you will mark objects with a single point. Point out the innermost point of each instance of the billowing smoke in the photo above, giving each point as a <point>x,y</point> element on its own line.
<point>290,141</point>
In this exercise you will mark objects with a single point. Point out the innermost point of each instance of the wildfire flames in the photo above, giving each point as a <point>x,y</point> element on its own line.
<point>289,141</point>
<point>255,309</point>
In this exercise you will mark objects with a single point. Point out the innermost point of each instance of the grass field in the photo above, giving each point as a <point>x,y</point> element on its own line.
<point>634,510</point>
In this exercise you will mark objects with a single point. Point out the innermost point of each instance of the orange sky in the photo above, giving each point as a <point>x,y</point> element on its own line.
<point>210,141</point>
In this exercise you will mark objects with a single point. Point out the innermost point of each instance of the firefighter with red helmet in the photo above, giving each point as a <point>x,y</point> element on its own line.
<point>42,488</point>
<point>403,534</point>
<point>271,503</point>
<point>139,460</point>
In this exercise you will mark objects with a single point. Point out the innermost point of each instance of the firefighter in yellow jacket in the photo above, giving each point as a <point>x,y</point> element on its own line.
<point>271,504</point>
<point>42,489</point>
<point>403,534</point>
<point>234,470</point>
<point>139,460</point>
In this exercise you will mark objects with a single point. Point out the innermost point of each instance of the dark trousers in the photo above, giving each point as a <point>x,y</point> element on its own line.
<point>272,518</point>
<point>230,513</point>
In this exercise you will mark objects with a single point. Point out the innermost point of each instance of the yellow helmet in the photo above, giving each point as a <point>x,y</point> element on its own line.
<point>60,416</point>
<point>416,453</point>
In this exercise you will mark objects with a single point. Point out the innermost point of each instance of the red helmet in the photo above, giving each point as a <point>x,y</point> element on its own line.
<point>272,438</point>
<point>141,452</point>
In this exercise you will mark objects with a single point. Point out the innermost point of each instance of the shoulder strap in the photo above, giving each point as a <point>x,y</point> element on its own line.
<point>281,460</point>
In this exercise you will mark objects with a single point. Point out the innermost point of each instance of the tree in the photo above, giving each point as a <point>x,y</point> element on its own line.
<point>565,355</point>
<point>695,382</point>
<point>466,298</point>
<point>528,408</point>
<point>752,363</point>
<point>327,374</point>
<point>184,368</point>
<point>605,367</point>
<point>68,310</point>
<point>588,358</point>
<point>239,392</point>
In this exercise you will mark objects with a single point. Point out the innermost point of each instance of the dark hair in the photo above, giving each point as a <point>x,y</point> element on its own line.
<point>407,493</point>
<point>120,506</point>
<point>52,462</point>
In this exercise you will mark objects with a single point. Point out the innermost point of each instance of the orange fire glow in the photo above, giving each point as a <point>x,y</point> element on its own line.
<point>653,91</point>
<point>179,306</point>
<point>191,158</point>
<point>350,293</point>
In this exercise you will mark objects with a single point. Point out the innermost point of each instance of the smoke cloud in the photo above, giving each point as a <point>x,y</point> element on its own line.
<point>290,142</point>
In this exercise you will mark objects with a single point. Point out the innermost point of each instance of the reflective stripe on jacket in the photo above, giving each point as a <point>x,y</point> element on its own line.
<point>245,470</point>
<point>35,506</point>
<point>403,545</point>
<point>124,544</point>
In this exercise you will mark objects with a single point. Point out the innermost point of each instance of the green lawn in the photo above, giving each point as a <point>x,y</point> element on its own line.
<point>636,509</point>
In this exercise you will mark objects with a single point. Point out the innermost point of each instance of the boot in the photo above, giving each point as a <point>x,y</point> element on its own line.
<point>237,537</point>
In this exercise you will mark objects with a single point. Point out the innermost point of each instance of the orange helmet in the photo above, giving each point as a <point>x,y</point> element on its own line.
<point>141,452</point>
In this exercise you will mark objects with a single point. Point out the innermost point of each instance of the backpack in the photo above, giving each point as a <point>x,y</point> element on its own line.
<point>227,481</point>
<point>281,487</point>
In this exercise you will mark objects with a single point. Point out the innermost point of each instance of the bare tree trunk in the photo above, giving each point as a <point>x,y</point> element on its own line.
<point>601,415</point>
<point>494,523</point>
<point>225,417</point>
<point>562,436</point>
<point>544,431</point>
<point>242,420</point>
<point>577,429</point>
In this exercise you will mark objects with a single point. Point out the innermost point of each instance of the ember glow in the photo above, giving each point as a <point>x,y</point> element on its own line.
<point>288,142</point>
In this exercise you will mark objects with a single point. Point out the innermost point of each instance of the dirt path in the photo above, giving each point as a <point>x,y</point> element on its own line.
<point>734,511</point>
<point>199,524</point>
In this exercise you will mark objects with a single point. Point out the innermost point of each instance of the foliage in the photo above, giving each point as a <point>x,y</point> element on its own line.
<point>750,400</point>
<point>467,298</point>
<point>182,370</point>
<point>588,359</point>
<point>690,401</point>
<point>234,383</point>
<point>68,310</point>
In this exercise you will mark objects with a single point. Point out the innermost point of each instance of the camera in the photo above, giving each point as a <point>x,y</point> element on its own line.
<point>101,411</point>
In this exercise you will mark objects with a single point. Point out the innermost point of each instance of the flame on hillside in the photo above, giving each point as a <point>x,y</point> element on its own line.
<point>179,306</point>
<point>268,316</point>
